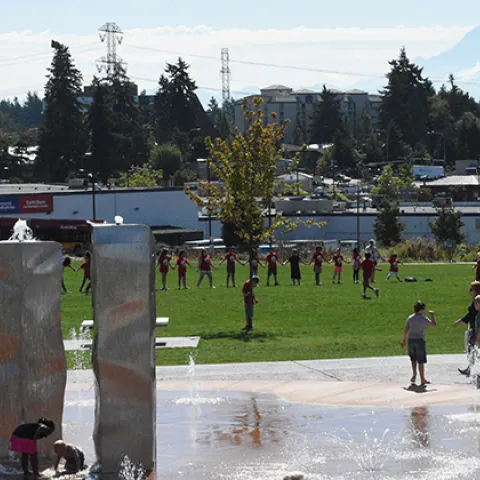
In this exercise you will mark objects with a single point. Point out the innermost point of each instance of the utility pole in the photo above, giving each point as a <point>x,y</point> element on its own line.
<point>112,35</point>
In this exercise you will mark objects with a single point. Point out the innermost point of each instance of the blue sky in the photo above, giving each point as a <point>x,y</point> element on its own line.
<point>84,16</point>
<point>341,43</point>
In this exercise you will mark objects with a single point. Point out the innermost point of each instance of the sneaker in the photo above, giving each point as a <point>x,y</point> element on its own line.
<point>465,371</point>
<point>213,286</point>
<point>377,292</point>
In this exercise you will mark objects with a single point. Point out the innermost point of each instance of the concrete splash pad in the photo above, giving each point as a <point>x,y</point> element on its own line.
<point>264,421</point>
<point>224,435</point>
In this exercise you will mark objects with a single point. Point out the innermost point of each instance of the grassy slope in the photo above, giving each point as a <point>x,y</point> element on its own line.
<point>298,323</point>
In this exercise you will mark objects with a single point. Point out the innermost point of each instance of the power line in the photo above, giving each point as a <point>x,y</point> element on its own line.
<point>213,89</point>
<point>293,67</point>
<point>39,57</point>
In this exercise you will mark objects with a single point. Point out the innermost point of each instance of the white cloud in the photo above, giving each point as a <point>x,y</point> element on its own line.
<point>24,56</point>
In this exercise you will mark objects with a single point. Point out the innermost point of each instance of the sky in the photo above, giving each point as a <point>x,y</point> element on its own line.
<point>355,39</point>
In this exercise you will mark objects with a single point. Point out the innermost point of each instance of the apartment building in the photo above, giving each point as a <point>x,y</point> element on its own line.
<point>299,105</point>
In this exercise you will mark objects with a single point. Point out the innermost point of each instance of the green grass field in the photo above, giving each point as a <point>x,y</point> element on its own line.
<point>299,323</point>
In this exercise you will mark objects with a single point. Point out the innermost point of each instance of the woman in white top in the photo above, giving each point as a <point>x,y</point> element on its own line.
<point>372,249</point>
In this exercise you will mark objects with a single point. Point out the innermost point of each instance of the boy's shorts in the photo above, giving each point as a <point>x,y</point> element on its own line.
<point>272,271</point>
<point>366,281</point>
<point>317,269</point>
<point>417,350</point>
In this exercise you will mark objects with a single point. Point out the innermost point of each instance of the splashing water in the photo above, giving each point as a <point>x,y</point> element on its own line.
<point>84,337</point>
<point>21,232</point>
<point>371,453</point>
<point>130,471</point>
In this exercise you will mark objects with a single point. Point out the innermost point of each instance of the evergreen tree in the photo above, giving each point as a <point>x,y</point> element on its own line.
<point>175,103</point>
<point>326,119</point>
<point>145,110</point>
<point>214,111</point>
<point>103,145</point>
<point>387,227</point>
<point>62,136</point>
<point>405,100</point>
<point>131,137</point>
<point>346,157</point>
<point>298,137</point>
<point>370,144</point>
<point>31,114</point>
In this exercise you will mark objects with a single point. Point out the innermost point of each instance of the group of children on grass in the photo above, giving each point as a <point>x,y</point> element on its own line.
<point>23,442</point>
<point>272,260</point>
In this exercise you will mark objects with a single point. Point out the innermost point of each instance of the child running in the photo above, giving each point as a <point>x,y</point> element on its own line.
<point>272,260</point>
<point>24,441</point>
<point>357,265</point>
<point>318,259</point>
<point>477,268</point>
<point>337,261</point>
<point>415,333</point>
<point>67,263</point>
<point>295,261</point>
<point>368,267</point>
<point>394,263</point>
<point>250,301</point>
<point>231,259</point>
<point>73,456</point>
<point>164,261</point>
<point>181,264</point>
<point>85,266</point>
<point>205,266</point>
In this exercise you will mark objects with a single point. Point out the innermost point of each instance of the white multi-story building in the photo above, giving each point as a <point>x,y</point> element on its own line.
<point>299,105</point>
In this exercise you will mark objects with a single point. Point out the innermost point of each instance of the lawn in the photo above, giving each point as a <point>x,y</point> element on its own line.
<point>299,323</point>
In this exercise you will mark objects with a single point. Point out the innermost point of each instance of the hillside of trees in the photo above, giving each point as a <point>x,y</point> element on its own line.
<point>120,135</point>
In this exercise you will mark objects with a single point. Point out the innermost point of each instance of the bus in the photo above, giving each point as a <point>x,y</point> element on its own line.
<point>75,236</point>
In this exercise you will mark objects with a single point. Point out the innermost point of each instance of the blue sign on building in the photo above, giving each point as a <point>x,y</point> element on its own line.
<point>9,205</point>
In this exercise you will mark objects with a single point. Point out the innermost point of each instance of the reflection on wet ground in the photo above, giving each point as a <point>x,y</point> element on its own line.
<point>238,436</point>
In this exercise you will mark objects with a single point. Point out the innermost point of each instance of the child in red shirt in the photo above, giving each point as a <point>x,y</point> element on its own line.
<point>85,266</point>
<point>205,266</point>
<point>231,259</point>
<point>181,264</point>
<point>254,261</point>
<point>318,259</point>
<point>368,267</point>
<point>337,261</point>
<point>394,262</point>
<point>357,265</point>
<point>272,260</point>
<point>164,261</point>
<point>250,300</point>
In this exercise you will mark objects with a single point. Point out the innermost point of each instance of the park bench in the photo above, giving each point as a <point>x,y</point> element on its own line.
<point>162,322</point>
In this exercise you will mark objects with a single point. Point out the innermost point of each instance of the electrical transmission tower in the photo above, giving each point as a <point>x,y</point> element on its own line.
<point>225,71</point>
<point>113,35</point>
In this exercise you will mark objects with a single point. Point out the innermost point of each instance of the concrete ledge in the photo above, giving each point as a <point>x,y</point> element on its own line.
<point>160,342</point>
<point>162,322</point>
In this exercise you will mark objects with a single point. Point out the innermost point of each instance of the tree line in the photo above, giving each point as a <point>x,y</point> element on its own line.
<point>120,132</point>
<point>415,122</point>
<point>133,139</point>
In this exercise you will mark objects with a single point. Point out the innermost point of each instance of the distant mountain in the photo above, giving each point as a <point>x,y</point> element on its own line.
<point>464,55</point>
